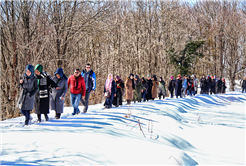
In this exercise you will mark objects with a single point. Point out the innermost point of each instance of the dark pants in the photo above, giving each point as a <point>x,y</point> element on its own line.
<point>86,101</point>
<point>45,115</point>
<point>26,113</point>
<point>109,101</point>
<point>243,89</point>
<point>143,95</point>
<point>171,92</point>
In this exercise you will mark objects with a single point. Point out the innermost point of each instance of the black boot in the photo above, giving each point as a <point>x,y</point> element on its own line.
<point>46,117</point>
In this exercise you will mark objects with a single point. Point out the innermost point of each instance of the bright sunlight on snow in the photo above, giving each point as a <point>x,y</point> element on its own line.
<point>200,130</point>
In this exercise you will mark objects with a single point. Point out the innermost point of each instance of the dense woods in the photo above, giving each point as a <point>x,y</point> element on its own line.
<point>118,37</point>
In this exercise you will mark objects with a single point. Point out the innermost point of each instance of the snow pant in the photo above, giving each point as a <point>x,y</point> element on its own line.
<point>243,89</point>
<point>45,115</point>
<point>74,99</point>
<point>26,113</point>
<point>86,101</point>
<point>143,95</point>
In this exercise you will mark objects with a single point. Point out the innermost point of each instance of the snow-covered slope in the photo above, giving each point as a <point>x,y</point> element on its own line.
<point>200,130</point>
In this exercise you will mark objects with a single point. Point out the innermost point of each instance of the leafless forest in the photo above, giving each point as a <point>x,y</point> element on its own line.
<point>118,37</point>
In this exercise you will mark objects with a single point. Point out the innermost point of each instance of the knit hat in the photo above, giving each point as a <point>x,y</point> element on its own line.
<point>171,77</point>
<point>131,75</point>
<point>39,68</point>
<point>31,69</point>
<point>148,75</point>
<point>117,77</point>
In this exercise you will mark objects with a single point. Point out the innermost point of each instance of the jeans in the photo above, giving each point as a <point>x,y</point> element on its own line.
<point>184,91</point>
<point>189,93</point>
<point>243,89</point>
<point>143,95</point>
<point>26,113</point>
<point>86,101</point>
<point>75,98</point>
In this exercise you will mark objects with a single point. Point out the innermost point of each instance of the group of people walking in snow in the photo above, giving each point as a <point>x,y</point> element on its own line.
<point>42,92</point>
<point>188,85</point>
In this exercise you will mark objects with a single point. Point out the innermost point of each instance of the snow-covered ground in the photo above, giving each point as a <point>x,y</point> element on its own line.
<point>200,130</point>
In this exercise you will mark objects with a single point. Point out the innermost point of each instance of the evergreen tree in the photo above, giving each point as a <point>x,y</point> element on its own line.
<point>185,59</point>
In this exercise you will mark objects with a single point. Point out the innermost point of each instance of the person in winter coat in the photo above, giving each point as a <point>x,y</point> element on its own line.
<point>189,86</point>
<point>109,91</point>
<point>219,85</point>
<point>149,90</point>
<point>162,88</point>
<point>154,87</point>
<point>90,84</point>
<point>185,85</point>
<point>209,82</point>
<point>119,91</point>
<point>244,85</point>
<point>171,86</point>
<point>29,87</point>
<point>223,86</point>
<point>193,92</point>
<point>178,86</point>
<point>57,96</point>
<point>203,85</point>
<point>145,87</point>
<point>213,86</point>
<point>130,87</point>
<point>77,90</point>
<point>195,83</point>
<point>138,89</point>
<point>42,97</point>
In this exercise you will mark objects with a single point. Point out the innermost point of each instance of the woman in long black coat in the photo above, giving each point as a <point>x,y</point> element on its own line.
<point>57,96</point>
<point>171,86</point>
<point>149,90</point>
<point>119,88</point>
<point>29,86</point>
<point>42,97</point>
<point>178,87</point>
<point>219,85</point>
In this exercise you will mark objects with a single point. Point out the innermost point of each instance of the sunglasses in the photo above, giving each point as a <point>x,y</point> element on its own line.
<point>88,67</point>
<point>76,72</point>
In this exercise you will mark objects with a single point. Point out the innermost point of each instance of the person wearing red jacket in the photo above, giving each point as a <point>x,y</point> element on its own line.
<point>77,89</point>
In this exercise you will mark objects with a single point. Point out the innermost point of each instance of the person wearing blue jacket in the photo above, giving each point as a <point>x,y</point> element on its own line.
<point>185,85</point>
<point>90,83</point>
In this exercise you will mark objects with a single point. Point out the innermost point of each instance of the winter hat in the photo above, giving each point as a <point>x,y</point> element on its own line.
<point>195,76</point>
<point>61,73</point>
<point>215,77</point>
<point>148,75</point>
<point>223,79</point>
<point>136,76</point>
<point>117,77</point>
<point>212,77</point>
<point>31,69</point>
<point>39,68</point>
<point>154,76</point>
<point>208,76</point>
<point>171,77</point>
<point>179,75</point>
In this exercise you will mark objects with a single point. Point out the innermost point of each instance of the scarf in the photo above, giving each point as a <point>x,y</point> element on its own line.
<point>109,83</point>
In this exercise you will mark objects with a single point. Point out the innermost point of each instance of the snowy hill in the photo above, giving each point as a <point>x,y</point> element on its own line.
<point>200,130</point>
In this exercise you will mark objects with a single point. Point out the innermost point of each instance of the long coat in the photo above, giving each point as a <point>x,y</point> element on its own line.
<point>129,89</point>
<point>118,99</point>
<point>171,85</point>
<point>27,94</point>
<point>137,92</point>
<point>244,84</point>
<point>42,97</point>
<point>55,102</point>
<point>178,87</point>
<point>154,89</point>
<point>149,90</point>
<point>109,100</point>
